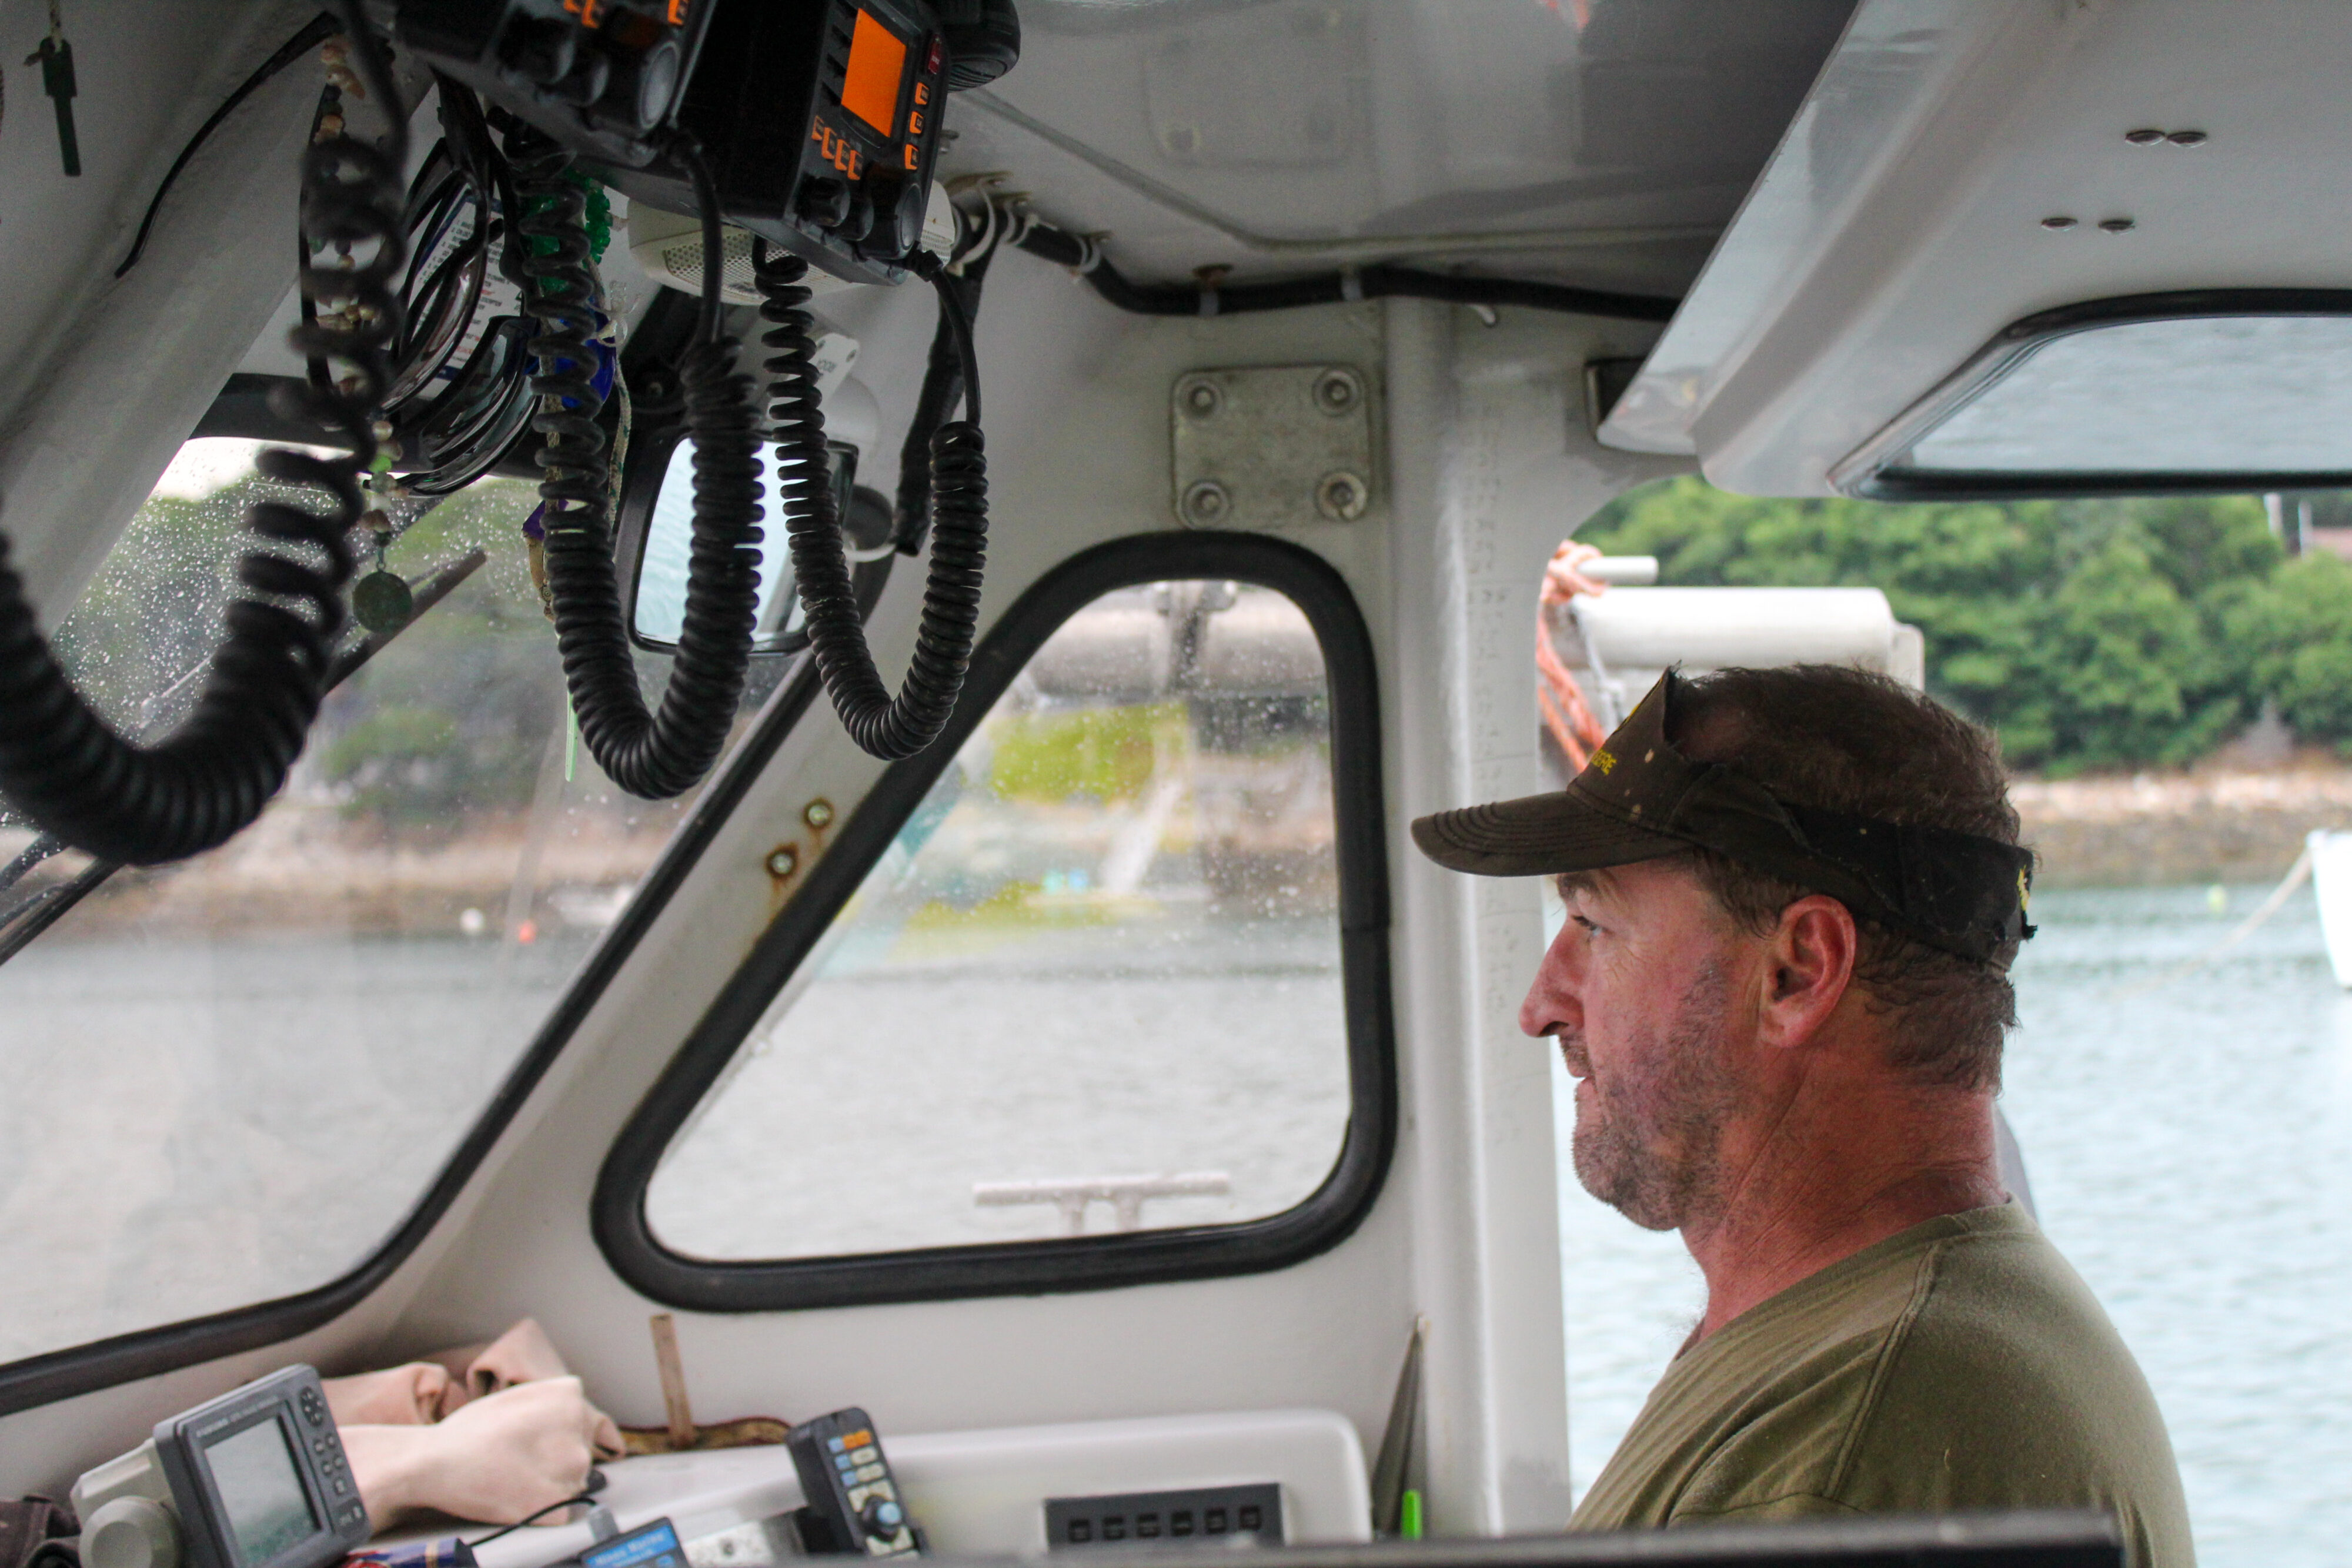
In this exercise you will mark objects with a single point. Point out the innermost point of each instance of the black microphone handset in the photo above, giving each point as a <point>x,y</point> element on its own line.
<point>811,129</point>
<point>255,1478</point>
<point>854,1503</point>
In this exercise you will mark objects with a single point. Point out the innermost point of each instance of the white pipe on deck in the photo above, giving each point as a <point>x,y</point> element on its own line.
<point>1710,628</point>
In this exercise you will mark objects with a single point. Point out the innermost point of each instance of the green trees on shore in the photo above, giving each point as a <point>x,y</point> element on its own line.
<point>2089,633</point>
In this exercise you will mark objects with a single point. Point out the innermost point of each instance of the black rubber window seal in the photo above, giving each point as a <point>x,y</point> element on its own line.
<point>1321,1221</point>
<point>1878,470</point>
<point>147,1353</point>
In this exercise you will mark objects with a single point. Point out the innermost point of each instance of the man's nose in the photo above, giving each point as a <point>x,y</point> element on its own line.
<point>1551,1003</point>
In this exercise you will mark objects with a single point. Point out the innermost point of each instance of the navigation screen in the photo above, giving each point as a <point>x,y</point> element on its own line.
<point>261,1492</point>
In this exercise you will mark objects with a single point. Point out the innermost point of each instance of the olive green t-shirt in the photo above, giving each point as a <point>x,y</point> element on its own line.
<point>1959,1365</point>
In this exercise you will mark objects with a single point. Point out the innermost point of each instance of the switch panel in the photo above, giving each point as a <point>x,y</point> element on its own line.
<point>1214,1515</point>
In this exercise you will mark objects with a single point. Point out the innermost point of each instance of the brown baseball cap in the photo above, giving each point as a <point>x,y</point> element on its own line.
<point>1640,799</point>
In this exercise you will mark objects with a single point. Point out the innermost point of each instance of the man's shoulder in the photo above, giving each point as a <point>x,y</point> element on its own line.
<point>2010,1377</point>
<point>1963,1364</point>
<point>1762,1409</point>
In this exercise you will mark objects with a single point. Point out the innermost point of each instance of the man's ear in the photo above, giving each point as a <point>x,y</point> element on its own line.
<point>1808,965</point>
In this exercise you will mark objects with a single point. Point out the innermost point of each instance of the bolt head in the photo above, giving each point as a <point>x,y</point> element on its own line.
<point>2117,225</point>
<point>2057,223</point>
<point>2187,137</point>
<point>1342,496</point>
<point>818,814</point>
<point>1336,391</point>
<point>1206,504</point>
<point>783,861</point>
<point>1202,399</point>
<point>2146,136</point>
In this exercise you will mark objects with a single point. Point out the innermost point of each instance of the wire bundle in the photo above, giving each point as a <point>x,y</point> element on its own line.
<point>1378,280</point>
<point>60,764</point>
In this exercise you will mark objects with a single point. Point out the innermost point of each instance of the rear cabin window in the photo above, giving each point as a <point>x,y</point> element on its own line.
<point>1092,986</point>
<point>229,1080</point>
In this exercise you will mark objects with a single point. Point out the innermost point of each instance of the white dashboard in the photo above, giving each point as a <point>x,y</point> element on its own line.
<point>979,1493</point>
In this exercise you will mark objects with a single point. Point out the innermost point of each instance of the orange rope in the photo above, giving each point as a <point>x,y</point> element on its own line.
<point>1561,701</point>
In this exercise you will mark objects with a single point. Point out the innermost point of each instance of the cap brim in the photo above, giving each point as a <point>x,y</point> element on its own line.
<point>1538,835</point>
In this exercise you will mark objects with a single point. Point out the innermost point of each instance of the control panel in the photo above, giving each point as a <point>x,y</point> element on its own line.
<point>1227,1516</point>
<point>854,1501</point>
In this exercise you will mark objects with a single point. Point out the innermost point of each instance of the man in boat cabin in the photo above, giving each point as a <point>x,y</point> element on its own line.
<point>1792,898</point>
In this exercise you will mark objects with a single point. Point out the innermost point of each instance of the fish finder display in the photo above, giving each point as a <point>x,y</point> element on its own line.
<point>261,1492</point>
<point>258,1479</point>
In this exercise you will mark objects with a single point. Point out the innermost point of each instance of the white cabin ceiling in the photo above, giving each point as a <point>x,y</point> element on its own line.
<point>1606,141</point>
<point>1900,225</point>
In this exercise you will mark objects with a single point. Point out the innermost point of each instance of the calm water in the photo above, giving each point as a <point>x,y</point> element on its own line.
<point>194,1124</point>
<point>1170,1045</point>
<point>2189,1145</point>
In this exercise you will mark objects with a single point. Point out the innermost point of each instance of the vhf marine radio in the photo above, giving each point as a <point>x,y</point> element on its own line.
<point>255,1479</point>
<point>854,1501</point>
<point>819,118</point>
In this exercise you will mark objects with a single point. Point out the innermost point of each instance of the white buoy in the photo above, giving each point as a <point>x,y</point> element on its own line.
<point>2331,879</point>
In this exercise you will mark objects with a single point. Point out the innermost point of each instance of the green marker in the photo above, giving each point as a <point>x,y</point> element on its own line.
<point>1408,1515</point>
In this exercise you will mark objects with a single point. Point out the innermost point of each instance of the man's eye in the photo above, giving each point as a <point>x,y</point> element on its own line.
<point>1588,925</point>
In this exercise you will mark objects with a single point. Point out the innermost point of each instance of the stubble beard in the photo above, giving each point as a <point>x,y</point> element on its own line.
<point>1650,1144</point>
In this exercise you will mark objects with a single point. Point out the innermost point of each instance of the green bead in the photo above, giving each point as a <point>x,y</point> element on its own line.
<point>381,602</point>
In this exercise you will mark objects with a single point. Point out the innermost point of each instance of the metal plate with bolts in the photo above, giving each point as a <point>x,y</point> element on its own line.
<point>1273,446</point>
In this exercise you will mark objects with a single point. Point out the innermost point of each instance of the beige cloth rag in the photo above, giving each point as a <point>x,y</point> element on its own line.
<point>490,1432</point>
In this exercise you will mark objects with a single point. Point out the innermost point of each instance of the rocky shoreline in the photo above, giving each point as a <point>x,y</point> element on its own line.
<point>2154,830</point>
<point>304,868</point>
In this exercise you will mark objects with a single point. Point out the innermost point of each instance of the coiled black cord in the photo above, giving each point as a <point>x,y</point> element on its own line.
<point>59,763</point>
<point>652,755</point>
<point>885,726</point>
<point>942,388</point>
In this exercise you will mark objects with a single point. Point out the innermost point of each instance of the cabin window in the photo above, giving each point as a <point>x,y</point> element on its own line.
<point>1092,986</point>
<point>228,1080</point>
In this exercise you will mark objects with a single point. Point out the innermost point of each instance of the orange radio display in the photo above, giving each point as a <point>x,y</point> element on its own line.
<point>877,63</point>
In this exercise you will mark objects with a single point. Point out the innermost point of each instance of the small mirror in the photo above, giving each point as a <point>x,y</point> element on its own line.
<point>658,610</point>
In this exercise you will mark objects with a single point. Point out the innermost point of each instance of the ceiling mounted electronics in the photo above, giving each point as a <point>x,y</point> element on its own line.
<point>819,121</point>
<point>811,127</point>
<point>2212,390</point>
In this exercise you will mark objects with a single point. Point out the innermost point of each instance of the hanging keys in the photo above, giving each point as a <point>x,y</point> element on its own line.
<point>55,56</point>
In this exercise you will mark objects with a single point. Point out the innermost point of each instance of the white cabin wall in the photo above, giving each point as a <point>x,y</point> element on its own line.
<point>1494,465</point>
<point>100,379</point>
<point>1079,412</point>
